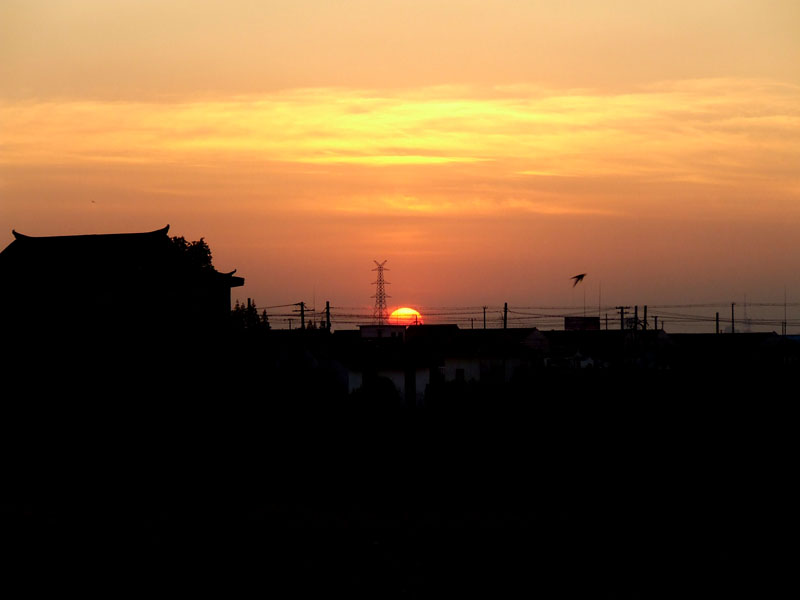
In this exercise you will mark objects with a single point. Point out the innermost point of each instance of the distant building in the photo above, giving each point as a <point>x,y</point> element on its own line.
<point>382,331</point>
<point>106,284</point>
<point>582,323</point>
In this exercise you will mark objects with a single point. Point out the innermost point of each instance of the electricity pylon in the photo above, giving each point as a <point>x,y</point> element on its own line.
<point>380,296</point>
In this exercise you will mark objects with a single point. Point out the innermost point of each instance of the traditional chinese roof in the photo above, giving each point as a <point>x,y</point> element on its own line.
<point>82,251</point>
<point>106,237</point>
<point>107,254</point>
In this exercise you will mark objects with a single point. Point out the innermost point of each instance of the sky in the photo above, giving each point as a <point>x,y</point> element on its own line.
<point>487,150</point>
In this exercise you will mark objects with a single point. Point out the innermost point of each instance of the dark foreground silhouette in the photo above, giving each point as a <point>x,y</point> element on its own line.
<point>206,462</point>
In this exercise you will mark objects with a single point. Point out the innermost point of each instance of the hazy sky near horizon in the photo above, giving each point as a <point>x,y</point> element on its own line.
<point>488,150</point>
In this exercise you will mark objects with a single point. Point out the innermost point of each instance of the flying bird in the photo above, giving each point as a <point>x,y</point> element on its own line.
<point>578,279</point>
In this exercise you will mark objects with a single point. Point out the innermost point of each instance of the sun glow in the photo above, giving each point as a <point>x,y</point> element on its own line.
<point>405,316</point>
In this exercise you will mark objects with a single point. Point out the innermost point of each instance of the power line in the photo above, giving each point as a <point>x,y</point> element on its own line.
<point>689,316</point>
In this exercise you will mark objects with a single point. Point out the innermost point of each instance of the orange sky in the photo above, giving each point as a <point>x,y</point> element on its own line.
<point>488,150</point>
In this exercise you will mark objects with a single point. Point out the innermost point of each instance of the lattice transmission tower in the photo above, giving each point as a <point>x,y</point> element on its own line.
<point>380,296</point>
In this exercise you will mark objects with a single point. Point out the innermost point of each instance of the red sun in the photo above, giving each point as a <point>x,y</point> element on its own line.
<point>405,316</point>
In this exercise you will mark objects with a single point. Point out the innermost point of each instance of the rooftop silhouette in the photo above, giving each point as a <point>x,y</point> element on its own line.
<point>137,282</point>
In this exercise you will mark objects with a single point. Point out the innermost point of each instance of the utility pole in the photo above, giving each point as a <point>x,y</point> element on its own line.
<point>600,300</point>
<point>716,320</point>
<point>302,306</point>
<point>656,318</point>
<point>636,318</point>
<point>484,316</point>
<point>328,315</point>
<point>784,312</point>
<point>644,320</point>
<point>733,328</point>
<point>621,310</point>
<point>505,315</point>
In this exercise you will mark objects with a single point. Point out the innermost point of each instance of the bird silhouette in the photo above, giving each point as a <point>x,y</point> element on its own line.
<point>578,279</point>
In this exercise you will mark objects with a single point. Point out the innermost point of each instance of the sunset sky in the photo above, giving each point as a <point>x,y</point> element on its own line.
<point>488,150</point>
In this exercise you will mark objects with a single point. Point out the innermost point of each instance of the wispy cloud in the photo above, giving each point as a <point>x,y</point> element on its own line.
<point>713,132</point>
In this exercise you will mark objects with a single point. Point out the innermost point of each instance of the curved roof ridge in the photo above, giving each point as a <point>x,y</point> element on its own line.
<point>21,236</point>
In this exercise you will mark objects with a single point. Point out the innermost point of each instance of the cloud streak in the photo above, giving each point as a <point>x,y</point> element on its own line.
<point>509,145</point>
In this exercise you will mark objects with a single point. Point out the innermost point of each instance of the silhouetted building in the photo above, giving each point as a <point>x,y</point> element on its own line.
<point>738,352</point>
<point>109,285</point>
<point>582,323</point>
<point>382,331</point>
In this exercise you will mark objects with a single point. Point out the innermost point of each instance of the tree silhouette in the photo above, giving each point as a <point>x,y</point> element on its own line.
<point>196,254</point>
<point>245,316</point>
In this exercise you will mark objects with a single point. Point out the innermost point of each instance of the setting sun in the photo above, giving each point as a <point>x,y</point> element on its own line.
<point>405,316</point>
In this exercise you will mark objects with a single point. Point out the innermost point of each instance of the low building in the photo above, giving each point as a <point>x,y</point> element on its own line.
<point>581,323</point>
<point>382,331</point>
